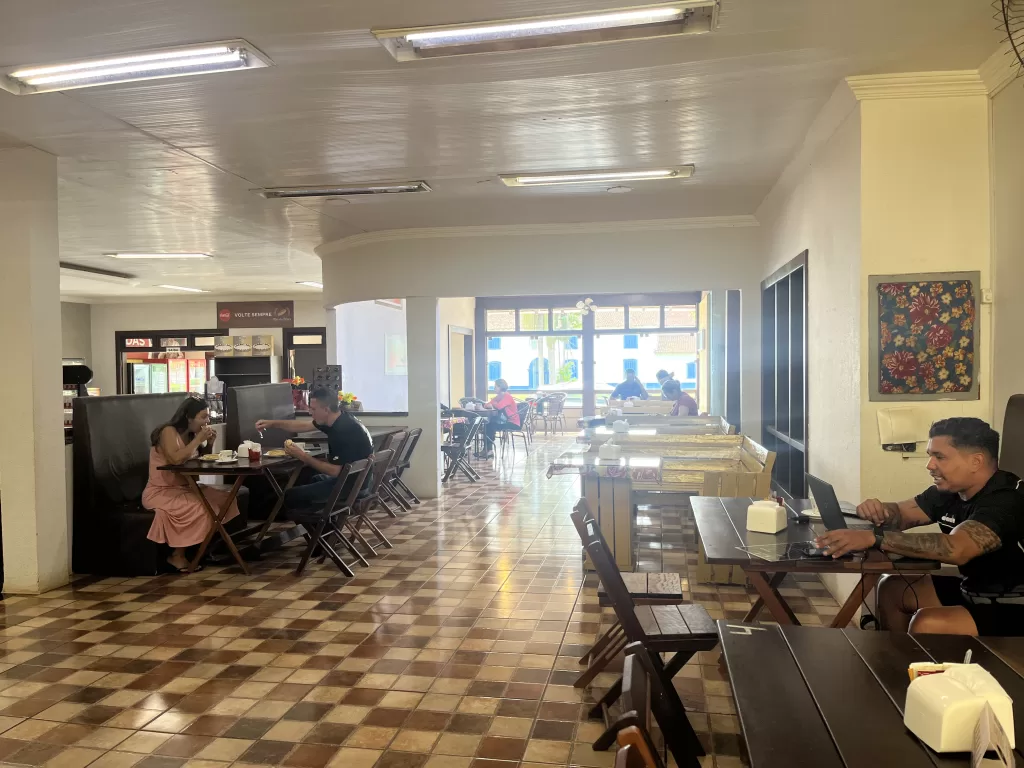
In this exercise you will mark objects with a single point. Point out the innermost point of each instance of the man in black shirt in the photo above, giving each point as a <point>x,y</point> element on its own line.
<point>980,512</point>
<point>347,441</point>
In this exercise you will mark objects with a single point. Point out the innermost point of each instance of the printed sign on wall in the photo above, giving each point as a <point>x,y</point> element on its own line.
<point>255,314</point>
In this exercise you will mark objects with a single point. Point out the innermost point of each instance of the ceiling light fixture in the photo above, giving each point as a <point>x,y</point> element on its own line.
<point>310,284</point>
<point>179,61</point>
<point>158,255</point>
<point>350,190</point>
<point>594,177</point>
<point>182,288</point>
<point>683,17</point>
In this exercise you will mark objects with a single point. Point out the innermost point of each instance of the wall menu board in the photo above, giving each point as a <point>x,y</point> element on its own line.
<point>255,314</point>
<point>243,346</point>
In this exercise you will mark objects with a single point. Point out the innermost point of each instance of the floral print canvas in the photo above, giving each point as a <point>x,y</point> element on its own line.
<point>926,337</point>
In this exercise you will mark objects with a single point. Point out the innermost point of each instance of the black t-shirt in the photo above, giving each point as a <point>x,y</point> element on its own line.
<point>998,506</point>
<point>348,440</point>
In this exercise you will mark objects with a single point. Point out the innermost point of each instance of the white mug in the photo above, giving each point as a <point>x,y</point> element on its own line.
<point>227,454</point>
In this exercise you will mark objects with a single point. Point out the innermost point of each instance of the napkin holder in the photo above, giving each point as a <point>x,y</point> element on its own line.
<point>765,516</point>
<point>628,404</point>
<point>609,451</point>
<point>943,709</point>
<point>620,426</point>
<point>614,411</point>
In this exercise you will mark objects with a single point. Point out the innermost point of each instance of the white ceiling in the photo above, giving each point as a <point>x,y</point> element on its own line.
<point>170,164</point>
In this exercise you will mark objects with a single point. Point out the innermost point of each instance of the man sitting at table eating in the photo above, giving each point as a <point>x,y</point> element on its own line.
<point>347,441</point>
<point>631,387</point>
<point>684,404</point>
<point>980,511</point>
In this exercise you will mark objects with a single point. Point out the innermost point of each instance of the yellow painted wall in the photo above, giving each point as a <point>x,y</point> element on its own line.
<point>925,207</point>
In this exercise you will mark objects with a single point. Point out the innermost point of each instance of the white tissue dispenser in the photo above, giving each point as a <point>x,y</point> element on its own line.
<point>943,709</point>
<point>620,426</point>
<point>609,451</point>
<point>765,516</point>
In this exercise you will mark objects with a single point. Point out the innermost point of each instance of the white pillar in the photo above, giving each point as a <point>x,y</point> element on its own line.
<point>716,339</point>
<point>424,354</point>
<point>332,336</point>
<point>35,523</point>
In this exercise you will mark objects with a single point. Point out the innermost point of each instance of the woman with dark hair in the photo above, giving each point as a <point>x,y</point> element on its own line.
<point>180,520</point>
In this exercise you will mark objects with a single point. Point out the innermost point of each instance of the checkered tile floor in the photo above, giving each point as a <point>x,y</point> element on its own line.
<point>457,648</point>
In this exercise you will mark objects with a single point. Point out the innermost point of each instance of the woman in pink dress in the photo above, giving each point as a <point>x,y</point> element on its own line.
<point>180,520</point>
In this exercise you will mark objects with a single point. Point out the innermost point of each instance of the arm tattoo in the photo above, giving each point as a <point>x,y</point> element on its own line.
<point>894,522</point>
<point>983,536</point>
<point>929,546</point>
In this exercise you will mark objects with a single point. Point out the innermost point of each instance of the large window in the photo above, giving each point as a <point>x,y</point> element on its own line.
<point>646,354</point>
<point>536,363</point>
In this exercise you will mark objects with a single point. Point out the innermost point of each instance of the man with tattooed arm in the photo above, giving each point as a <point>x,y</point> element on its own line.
<point>981,514</point>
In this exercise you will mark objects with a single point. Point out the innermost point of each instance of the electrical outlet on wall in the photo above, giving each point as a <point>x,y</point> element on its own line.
<point>987,296</point>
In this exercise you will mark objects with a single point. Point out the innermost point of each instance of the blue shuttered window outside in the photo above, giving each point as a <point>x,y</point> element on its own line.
<point>493,370</point>
<point>628,365</point>
<point>573,342</point>
<point>494,342</point>
<point>631,341</point>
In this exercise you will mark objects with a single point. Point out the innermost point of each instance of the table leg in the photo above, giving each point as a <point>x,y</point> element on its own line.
<point>755,609</point>
<point>781,612</point>
<point>217,523</point>
<point>292,477</point>
<point>867,582</point>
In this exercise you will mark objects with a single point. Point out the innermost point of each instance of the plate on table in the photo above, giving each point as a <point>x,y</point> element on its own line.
<point>210,457</point>
<point>275,453</point>
<point>227,461</point>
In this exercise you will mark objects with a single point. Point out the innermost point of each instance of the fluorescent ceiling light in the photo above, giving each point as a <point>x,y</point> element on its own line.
<point>95,273</point>
<point>123,68</point>
<point>310,284</point>
<point>594,177</point>
<point>349,190</point>
<point>181,288</point>
<point>661,20</point>
<point>158,255</point>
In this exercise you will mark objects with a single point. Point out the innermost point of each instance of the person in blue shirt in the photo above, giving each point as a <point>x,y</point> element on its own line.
<point>631,387</point>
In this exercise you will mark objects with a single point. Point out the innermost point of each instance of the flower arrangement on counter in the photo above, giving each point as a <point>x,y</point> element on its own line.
<point>350,401</point>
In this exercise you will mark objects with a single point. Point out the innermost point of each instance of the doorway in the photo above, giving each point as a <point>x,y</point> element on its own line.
<point>460,363</point>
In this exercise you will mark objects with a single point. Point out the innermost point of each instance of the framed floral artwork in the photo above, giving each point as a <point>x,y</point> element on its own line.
<point>924,336</point>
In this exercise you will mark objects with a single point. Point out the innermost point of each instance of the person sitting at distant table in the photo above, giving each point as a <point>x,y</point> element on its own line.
<point>631,387</point>
<point>980,511</point>
<point>507,413</point>
<point>347,441</point>
<point>664,377</point>
<point>684,404</point>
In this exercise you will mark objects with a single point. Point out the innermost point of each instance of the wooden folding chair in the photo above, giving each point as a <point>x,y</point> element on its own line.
<point>368,502</point>
<point>644,589</point>
<point>321,524</point>
<point>404,462</point>
<point>387,495</point>
<point>456,453</point>
<point>633,754</point>
<point>680,630</point>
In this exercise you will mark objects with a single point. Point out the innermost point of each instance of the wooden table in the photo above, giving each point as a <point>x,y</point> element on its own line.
<point>722,527</point>
<point>239,470</point>
<point>834,698</point>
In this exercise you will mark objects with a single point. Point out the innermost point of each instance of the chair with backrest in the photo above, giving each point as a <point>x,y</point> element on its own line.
<point>404,462</point>
<point>388,495</point>
<point>554,413</point>
<point>321,523</point>
<point>642,697</point>
<point>456,453</point>
<point>644,589</point>
<point>508,432</point>
<point>680,630</point>
<point>369,500</point>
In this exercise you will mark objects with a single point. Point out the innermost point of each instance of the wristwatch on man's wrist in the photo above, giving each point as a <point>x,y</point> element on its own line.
<point>879,538</point>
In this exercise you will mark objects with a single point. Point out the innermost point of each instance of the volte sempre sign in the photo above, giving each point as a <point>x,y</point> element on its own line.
<point>255,314</point>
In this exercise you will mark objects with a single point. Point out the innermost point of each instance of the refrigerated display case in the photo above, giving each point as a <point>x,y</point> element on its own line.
<point>148,378</point>
<point>197,376</point>
<point>177,375</point>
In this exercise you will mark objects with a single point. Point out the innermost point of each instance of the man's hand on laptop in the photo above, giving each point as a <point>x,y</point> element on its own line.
<point>875,511</point>
<point>842,541</point>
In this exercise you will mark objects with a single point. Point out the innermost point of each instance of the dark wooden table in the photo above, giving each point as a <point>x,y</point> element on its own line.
<point>722,527</point>
<point>238,470</point>
<point>834,698</point>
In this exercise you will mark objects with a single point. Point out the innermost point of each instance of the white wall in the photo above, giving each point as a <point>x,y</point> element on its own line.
<point>362,330</point>
<point>459,312</point>
<point>485,261</point>
<point>76,330</point>
<point>816,207</point>
<point>1008,280</point>
<point>926,207</point>
<point>159,315</point>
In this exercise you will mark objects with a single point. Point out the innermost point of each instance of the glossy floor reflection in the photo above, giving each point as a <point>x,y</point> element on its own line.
<point>457,648</point>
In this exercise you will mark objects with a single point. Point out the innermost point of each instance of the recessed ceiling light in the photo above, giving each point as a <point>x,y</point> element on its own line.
<point>594,177</point>
<point>158,255</point>
<point>182,288</point>
<point>683,17</point>
<point>310,284</point>
<point>619,190</point>
<point>183,60</point>
<point>348,190</point>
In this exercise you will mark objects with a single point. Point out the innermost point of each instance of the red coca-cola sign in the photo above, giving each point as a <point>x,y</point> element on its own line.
<point>224,316</point>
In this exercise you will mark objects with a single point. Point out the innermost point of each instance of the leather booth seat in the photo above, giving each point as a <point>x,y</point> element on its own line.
<point>111,468</point>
